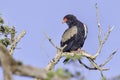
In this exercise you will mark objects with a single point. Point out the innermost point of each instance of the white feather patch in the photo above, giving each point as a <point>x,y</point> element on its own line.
<point>86,30</point>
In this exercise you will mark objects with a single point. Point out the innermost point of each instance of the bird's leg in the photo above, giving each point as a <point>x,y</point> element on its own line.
<point>79,50</point>
<point>73,51</point>
<point>68,59</point>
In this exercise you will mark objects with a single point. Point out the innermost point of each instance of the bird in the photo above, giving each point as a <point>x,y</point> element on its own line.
<point>74,36</point>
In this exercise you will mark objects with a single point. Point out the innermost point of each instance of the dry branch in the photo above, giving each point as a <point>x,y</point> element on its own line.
<point>109,58</point>
<point>14,43</point>
<point>50,40</point>
<point>99,25</point>
<point>12,34</point>
<point>11,66</point>
<point>54,61</point>
<point>86,65</point>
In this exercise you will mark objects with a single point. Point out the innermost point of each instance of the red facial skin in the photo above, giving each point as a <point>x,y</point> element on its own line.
<point>64,20</point>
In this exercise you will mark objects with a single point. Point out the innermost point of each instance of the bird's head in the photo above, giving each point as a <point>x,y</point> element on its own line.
<point>69,19</point>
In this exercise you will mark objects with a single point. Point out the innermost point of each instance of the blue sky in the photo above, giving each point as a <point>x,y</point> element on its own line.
<point>38,16</point>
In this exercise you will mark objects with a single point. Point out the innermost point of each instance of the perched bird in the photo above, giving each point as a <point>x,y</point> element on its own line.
<point>74,36</point>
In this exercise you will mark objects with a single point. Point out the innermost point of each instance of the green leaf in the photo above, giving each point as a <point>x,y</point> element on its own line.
<point>69,56</point>
<point>77,57</point>
<point>50,74</point>
<point>59,71</point>
<point>104,78</point>
<point>1,20</point>
<point>6,42</point>
<point>63,73</point>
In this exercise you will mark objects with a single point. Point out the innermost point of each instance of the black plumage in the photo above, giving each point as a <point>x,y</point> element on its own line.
<point>75,35</point>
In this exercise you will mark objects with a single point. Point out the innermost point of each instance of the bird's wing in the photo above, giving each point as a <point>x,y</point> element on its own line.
<point>82,33</point>
<point>68,38</point>
<point>69,33</point>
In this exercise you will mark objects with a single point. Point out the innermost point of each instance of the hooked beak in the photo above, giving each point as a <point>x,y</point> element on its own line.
<point>64,20</point>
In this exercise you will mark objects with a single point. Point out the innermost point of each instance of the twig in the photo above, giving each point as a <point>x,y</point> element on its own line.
<point>12,34</point>
<point>107,34</point>
<point>97,66</point>
<point>102,74</point>
<point>13,45</point>
<point>86,65</point>
<point>50,40</point>
<point>54,61</point>
<point>99,33</point>
<point>57,57</point>
<point>99,25</point>
<point>109,58</point>
<point>101,42</point>
<point>88,56</point>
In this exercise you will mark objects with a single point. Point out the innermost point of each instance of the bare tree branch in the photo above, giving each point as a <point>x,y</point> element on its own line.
<point>97,66</point>
<point>63,54</point>
<point>5,62</point>
<point>109,58</point>
<point>54,61</point>
<point>86,65</point>
<point>12,34</point>
<point>14,43</point>
<point>50,40</point>
<point>10,67</point>
<point>99,25</point>
<point>107,34</point>
<point>101,42</point>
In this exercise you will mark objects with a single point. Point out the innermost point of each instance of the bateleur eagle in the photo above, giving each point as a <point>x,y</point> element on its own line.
<point>74,36</point>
